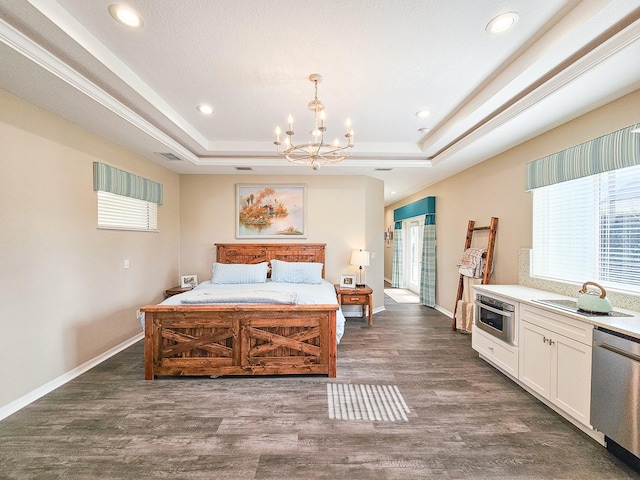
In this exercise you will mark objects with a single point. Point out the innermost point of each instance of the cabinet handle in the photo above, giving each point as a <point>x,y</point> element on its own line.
<point>551,342</point>
<point>490,348</point>
<point>544,339</point>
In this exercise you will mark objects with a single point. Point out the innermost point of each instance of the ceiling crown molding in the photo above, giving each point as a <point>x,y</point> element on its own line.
<point>615,40</point>
<point>83,37</point>
<point>34,52</point>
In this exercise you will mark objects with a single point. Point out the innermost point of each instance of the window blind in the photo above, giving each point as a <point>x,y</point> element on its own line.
<point>589,229</point>
<point>125,213</point>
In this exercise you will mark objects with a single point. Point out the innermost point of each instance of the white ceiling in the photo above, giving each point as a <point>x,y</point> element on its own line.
<point>382,61</point>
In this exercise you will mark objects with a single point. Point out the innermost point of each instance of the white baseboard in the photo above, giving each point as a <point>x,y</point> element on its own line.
<point>444,311</point>
<point>49,387</point>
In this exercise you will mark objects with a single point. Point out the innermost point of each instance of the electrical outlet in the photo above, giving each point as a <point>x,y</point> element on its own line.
<point>126,263</point>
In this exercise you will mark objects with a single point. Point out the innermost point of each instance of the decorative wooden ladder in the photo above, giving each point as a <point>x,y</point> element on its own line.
<point>488,258</point>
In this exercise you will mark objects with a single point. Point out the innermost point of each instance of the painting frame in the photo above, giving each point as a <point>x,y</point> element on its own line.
<point>271,210</point>
<point>388,236</point>
<point>347,281</point>
<point>188,281</point>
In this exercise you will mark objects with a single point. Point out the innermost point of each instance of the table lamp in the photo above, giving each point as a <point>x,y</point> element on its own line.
<point>361,259</point>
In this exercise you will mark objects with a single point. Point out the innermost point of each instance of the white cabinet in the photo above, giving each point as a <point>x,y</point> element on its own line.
<point>555,359</point>
<point>535,364</point>
<point>502,355</point>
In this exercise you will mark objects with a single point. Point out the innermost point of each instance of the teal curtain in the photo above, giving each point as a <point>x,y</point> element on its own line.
<point>428,272</point>
<point>114,180</point>
<point>397,273</point>
<point>615,150</point>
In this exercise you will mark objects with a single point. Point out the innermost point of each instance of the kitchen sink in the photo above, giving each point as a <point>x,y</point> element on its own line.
<point>572,306</point>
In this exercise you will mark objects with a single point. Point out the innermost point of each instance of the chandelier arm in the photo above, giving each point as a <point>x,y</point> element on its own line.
<point>317,152</point>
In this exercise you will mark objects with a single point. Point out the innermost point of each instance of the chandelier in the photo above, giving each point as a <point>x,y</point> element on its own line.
<point>316,152</point>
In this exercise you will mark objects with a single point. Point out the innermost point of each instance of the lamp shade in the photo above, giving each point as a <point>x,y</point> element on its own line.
<point>360,258</point>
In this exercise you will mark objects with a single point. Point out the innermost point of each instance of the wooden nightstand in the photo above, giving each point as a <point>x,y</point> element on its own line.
<point>357,296</point>
<point>169,292</point>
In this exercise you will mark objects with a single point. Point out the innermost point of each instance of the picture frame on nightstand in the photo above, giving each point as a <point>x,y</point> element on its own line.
<point>348,281</point>
<point>188,281</point>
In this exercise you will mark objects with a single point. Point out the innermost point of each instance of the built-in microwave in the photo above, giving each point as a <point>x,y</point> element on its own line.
<point>495,317</point>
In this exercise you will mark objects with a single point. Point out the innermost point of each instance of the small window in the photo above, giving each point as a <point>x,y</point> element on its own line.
<point>125,213</point>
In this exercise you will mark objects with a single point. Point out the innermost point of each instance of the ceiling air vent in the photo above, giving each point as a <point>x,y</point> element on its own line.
<point>383,169</point>
<point>170,156</point>
<point>243,169</point>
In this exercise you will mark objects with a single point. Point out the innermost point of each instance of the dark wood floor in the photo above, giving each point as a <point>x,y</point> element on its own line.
<point>465,420</point>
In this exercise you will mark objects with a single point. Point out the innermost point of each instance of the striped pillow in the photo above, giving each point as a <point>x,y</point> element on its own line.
<point>296,272</point>
<point>239,273</point>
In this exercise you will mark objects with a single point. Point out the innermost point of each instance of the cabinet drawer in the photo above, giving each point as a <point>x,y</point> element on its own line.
<point>500,354</point>
<point>355,299</point>
<point>561,324</point>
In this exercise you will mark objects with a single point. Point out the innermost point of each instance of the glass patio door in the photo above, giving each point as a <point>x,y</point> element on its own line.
<point>413,251</point>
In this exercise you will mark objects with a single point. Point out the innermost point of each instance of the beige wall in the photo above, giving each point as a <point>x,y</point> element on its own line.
<point>346,213</point>
<point>66,297</point>
<point>496,188</point>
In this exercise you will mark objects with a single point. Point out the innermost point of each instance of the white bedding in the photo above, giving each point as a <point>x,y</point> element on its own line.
<point>306,294</point>
<point>206,297</point>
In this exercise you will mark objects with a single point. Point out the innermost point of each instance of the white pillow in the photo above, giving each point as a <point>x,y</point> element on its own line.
<point>239,273</point>
<point>296,272</point>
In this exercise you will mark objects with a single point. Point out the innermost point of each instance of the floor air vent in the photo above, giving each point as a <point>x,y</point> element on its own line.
<point>381,403</point>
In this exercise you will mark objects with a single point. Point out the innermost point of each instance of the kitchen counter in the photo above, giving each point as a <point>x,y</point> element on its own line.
<point>627,325</point>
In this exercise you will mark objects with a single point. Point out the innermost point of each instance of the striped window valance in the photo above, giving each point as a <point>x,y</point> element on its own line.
<point>619,149</point>
<point>114,180</point>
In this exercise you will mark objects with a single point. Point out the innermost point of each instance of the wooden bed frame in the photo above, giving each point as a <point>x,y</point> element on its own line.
<point>243,339</point>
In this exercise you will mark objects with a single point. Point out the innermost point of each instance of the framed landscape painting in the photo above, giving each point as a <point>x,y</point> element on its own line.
<point>271,211</point>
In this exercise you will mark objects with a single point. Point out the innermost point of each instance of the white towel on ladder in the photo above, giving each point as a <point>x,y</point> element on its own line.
<point>472,262</point>
<point>465,307</point>
<point>464,316</point>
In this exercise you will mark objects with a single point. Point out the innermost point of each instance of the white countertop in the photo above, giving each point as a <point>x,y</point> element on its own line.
<point>627,325</point>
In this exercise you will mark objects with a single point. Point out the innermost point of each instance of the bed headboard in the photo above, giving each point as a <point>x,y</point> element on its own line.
<point>265,252</point>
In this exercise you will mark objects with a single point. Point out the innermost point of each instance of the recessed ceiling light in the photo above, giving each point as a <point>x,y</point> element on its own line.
<point>126,15</point>
<point>502,22</point>
<point>424,129</point>
<point>393,192</point>
<point>423,113</point>
<point>205,109</point>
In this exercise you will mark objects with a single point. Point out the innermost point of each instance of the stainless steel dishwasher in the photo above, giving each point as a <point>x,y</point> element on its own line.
<point>615,388</point>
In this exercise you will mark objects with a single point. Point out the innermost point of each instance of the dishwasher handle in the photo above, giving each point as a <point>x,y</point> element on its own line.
<point>624,353</point>
<point>617,342</point>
